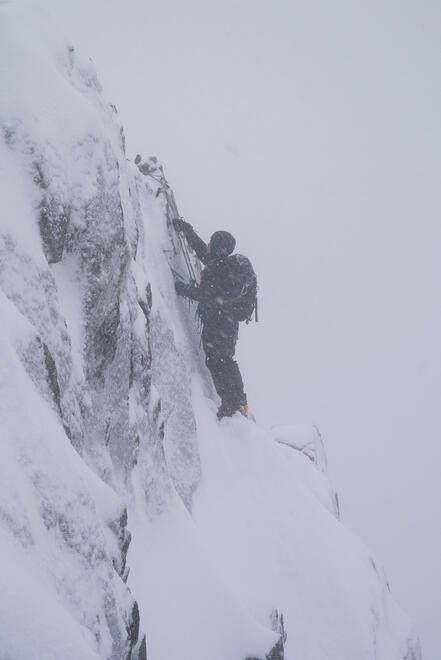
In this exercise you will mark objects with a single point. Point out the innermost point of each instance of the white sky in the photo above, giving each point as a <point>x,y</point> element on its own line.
<point>311,130</point>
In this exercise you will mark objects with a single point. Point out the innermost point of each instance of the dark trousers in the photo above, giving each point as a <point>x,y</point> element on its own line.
<point>219,343</point>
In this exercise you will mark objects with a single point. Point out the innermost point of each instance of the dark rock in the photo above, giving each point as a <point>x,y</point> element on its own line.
<point>52,376</point>
<point>141,367</point>
<point>278,650</point>
<point>54,217</point>
<point>119,527</point>
<point>133,627</point>
<point>146,305</point>
<point>104,255</point>
<point>8,133</point>
<point>278,625</point>
<point>413,651</point>
<point>149,296</point>
<point>53,222</point>
<point>141,653</point>
<point>105,339</point>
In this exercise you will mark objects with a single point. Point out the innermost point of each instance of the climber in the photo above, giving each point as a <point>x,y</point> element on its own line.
<point>226,295</point>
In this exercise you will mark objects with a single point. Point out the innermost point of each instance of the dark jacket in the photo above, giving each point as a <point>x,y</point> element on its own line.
<point>215,288</point>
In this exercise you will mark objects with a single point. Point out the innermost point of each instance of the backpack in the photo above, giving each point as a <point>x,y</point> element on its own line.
<point>243,286</point>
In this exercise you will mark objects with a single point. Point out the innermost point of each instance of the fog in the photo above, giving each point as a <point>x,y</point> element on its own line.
<point>311,131</point>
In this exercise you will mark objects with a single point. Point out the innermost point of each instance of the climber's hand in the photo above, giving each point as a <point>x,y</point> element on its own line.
<point>180,287</point>
<point>181,225</point>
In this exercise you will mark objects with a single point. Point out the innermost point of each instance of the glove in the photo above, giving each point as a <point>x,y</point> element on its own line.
<point>180,288</point>
<point>181,225</point>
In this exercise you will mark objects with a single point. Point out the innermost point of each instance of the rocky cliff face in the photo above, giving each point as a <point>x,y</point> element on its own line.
<point>106,407</point>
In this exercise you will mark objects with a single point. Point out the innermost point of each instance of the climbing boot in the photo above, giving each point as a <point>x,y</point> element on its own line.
<point>225,411</point>
<point>244,410</point>
<point>228,411</point>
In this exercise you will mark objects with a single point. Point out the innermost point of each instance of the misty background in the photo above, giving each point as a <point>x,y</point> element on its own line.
<point>311,131</point>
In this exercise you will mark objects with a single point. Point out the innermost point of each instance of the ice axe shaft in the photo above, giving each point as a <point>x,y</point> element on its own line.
<point>176,274</point>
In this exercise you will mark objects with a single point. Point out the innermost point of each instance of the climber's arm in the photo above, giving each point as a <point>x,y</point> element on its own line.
<point>194,241</point>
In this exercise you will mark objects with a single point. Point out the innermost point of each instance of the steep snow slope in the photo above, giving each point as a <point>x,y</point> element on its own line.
<point>106,406</point>
<point>60,528</point>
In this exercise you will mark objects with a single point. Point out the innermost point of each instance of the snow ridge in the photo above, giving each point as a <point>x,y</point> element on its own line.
<point>235,550</point>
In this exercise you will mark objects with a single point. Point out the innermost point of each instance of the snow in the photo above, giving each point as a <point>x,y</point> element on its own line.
<point>53,514</point>
<point>106,405</point>
<point>15,203</point>
<point>50,631</point>
<point>270,543</point>
<point>190,611</point>
<point>70,302</point>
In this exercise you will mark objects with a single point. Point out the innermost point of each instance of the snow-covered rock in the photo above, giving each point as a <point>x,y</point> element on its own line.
<point>131,521</point>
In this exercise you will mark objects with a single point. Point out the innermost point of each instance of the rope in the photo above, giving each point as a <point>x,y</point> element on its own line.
<point>172,212</point>
<point>187,258</point>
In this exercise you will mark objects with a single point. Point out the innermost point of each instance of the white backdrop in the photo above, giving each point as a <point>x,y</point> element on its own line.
<point>311,130</point>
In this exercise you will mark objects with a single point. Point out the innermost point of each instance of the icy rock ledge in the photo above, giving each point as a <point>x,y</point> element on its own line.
<point>278,650</point>
<point>307,440</point>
